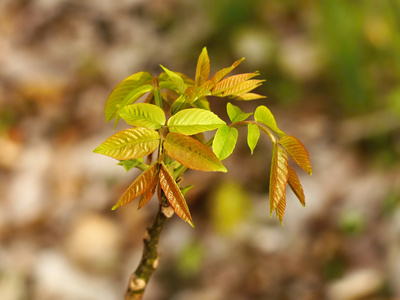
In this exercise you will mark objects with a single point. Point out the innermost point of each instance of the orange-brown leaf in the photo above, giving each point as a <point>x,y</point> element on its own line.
<point>222,73</point>
<point>232,81</point>
<point>146,196</point>
<point>297,152</point>
<point>174,195</point>
<point>203,68</point>
<point>250,96</point>
<point>296,187</point>
<point>278,180</point>
<point>243,88</point>
<point>192,153</point>
<point>141,185</point>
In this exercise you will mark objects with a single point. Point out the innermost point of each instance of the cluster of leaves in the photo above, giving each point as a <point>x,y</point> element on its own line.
<point>172,119</point>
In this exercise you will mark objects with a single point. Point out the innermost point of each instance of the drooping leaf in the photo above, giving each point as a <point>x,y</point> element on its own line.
<point>177,80</point>
<point>249,96</point>
<point>235,114</point>
<point>253,134</point>
<point>224,141</point>
<point>174,195</point>
<point>130,143</point>
<point>295,185</point>
<point>146,196</point>
<point>191,153</point>
<point>126,92</point>
<point>129,164</point>
<point>264,116</point>
<point>232,82</point>
<point>203,68</point>
<point>278,180</point>
<point>143,115</point>
<point>297,152</point>
<point>141,184</point>
<point>194,120</point>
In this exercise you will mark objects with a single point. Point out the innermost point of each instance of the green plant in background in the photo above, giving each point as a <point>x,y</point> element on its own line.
<point>172,120</point>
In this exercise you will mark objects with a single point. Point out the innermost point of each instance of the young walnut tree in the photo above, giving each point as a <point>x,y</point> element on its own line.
<point>172,120</point>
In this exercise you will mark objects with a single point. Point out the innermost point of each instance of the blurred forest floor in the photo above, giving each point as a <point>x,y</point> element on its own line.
<point>333,80</point>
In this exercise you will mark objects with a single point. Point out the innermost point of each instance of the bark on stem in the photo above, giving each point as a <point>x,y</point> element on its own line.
<point>148,263</point>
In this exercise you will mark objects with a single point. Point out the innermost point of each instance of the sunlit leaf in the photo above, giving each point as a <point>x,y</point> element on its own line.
<point>222,73</point>
<point>224,141</point>
<point>191,153</point>
<point>253,134</point>
<point>235,114</point>
<point>249,96</point>
<point>177,80</point>
<point>295,185</point>
<point>129,164</point>
<point>297,152</point>
<point>203,68</point>
<point>130,143</point>
<point>143,115</point>
<point>141,184</point>
<point>232,82</point>
<point>179,104</point>
<point>174,195</point>
<point>264,116</point>
<point>125,93</point>
<point>194,120</point>
<point>146,196</point>
<point>243,88</point>
<point>278,180</point>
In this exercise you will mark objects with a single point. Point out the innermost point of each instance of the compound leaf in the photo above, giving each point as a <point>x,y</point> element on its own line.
<point>141,185</point>
<point>235,114</point>
<point>224,141</point>
<point>143,115</point>
<point>264,116</point>
<point>129,90</point>
<point>203,68</point>
<point>278,181</point>
<point>295,185</point>
<point>194,120</point>
<point>174,195</point>
<point>297,152</point>
<point>192,153</point>
<point>176,79</point>
<point>130,143</point>
<point>253,134</point>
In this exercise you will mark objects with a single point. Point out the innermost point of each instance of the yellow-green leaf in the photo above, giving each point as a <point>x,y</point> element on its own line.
<point>130,143</point>
<point>174,195</point>
<point>194,120</point>
<point>232,82</point>
<point>203,68</point>
<point>297,152</point>
<point>177,80</point>
<point>143,115</point>
<point>141,185</point>
<point>192,153</point>
<point>128,91</point>
<point>295,185</point>
<point>235,114</point>
<point>253,134</point>
<point>264,116</point>
<point>278,180</point>
<point>224,141</point>
<point>249,96</point>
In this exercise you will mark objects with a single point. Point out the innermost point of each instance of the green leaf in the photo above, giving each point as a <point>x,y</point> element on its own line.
<point>224,141</point>
<point>202,103</point>
<point>203,68</point>
<point>143,115</point>
<point>253,134</point>
<point>235,114</point>
<point>179,104</point>
<point>130,143</point>
<point>191,153</point>
<point>295,185</point>
<point>129,90</point>
<point>194,120</point>
<point>264,116</point>
<point>129,164</point>
<point>177,80</point>
<point>174,195</point>
<point>278,181</point>
<point>141,185</point>
<point>297,152</point>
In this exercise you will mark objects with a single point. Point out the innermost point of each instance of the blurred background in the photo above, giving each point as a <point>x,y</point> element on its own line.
<point>333,80</point>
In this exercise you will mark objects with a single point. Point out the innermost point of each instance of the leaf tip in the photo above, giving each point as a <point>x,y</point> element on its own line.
<point>114,207</point>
